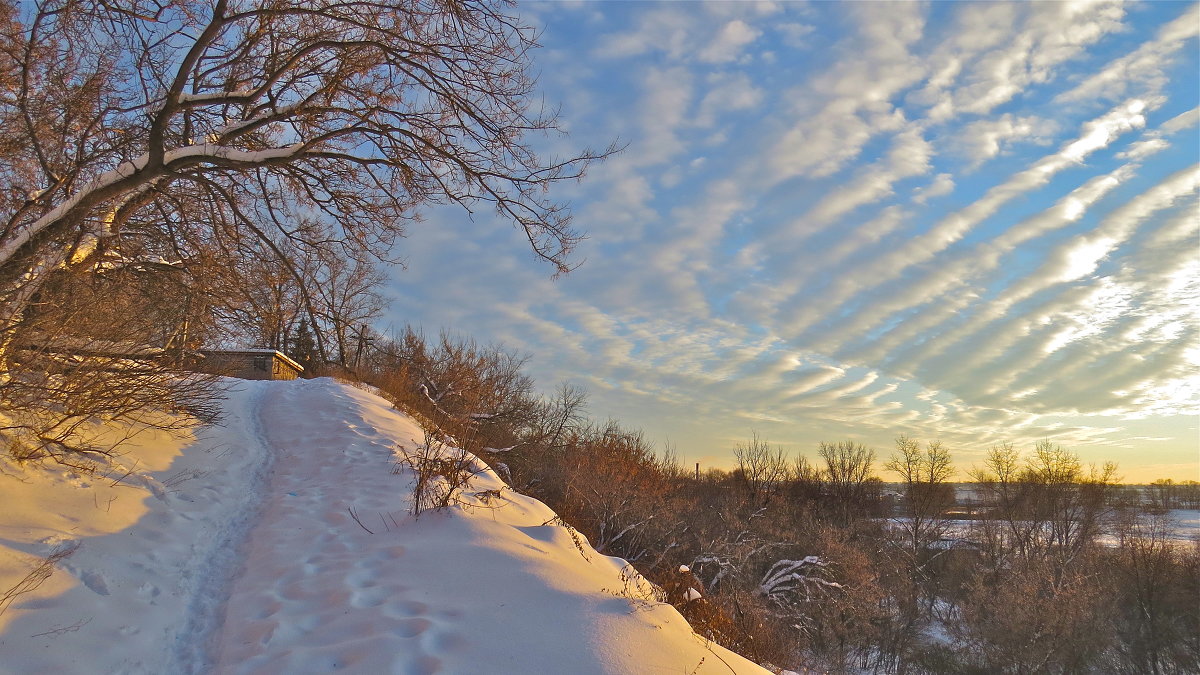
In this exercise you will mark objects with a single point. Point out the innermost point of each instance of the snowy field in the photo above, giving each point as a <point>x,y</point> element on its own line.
<point>1182,528</point>
<point>235,551</point>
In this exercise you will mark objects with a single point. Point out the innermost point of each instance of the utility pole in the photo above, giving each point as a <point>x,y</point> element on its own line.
<point>362,339</point>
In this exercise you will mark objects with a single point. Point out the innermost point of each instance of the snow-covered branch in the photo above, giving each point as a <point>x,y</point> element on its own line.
<point>788,577</point>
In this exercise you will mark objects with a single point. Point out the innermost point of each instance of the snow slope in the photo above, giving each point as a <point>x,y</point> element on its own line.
<point>236,552</point>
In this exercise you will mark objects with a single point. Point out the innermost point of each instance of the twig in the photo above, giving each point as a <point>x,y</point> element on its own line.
<point>125,475</point>
<point>708,645</point>
<point>55,632</point>
<point>35,578</point>
<point>355,517</point>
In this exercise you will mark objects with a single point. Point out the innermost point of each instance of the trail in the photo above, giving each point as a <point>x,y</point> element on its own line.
<point>235,552</point>
<point>157,541</point>
<point>194,645</point>
<point>314,581</point>
<point>479,588</point>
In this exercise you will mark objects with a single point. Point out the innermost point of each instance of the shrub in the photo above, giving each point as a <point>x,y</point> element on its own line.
<point>440,474</point>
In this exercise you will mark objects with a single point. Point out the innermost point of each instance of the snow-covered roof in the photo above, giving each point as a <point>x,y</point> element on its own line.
<point>88,345</point>
<point>255,350</point>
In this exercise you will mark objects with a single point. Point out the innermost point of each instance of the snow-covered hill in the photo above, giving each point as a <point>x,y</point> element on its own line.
<point>236,551</point>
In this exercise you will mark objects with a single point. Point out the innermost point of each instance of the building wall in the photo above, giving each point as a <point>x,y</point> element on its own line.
<point>282,370</point>
<point>248,365</point>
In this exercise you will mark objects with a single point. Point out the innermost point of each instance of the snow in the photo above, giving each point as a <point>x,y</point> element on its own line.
<point>1185,520</point>
<point>258,350</point>
<point>214,97</point>
<point>1183,528</point>
<point>238,551</point>
<point>789,576</point>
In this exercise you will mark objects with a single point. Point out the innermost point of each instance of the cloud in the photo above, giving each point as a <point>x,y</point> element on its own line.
<point>1078,258</point>
<point>943,184</point>
<point>727,93</point>
<point>1143,149</point>
<point>663,29</point>
<point>667,95</point>
<point>1140,73</point>
<point>982,140</point>
<point>807,381</point>
<point>840,110</point>
<point>993,350</point>
<point>794,33</point>
<point>908,157</point>
<point>685,36</point>
<point>1095,135</point>
<point>1186,120</point>
<point>1051,34</point>
<point>728,43</point>
<point>807,244</point>
<point>824,142</point>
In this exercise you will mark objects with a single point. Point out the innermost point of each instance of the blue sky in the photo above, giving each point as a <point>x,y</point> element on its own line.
<point>975,222</point>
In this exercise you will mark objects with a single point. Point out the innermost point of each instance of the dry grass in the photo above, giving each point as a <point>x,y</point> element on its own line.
<point>440,474</point>
<point>36,577</point>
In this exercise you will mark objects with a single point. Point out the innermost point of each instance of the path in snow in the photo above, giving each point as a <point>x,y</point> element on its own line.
<point>194,644</point>
<point>464,591</point>
<point>154,553</point>
<point>311,582</point>
<point>235,552</point>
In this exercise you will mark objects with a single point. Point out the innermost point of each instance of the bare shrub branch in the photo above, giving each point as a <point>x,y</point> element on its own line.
<point>37,576</point>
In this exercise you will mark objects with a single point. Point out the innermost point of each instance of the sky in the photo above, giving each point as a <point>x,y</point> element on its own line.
<point>972,222</point>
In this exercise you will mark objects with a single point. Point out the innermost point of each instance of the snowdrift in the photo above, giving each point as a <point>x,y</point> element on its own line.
<point>281,542</point>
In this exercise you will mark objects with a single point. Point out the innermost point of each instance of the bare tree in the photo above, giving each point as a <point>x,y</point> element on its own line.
<point>1045,505</point>
<point>1155,579</point>
<point>193,131</point>
<point>85,354</point>
<point>762,467</point>
<point>1073,502</point>
<point>345,293</point>
<point>260,301</point>
<point>1032,617</point>
<point>475,393</point>
<point>357,110</point>
<point>927,493</point>
<point>847,475</point>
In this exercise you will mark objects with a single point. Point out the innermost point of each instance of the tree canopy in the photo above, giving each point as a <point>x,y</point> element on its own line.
<point>221,143</point>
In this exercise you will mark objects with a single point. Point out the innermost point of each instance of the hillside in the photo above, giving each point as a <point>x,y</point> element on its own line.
<point>237,550</point>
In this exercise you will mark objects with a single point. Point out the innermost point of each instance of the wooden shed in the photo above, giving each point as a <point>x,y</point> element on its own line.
<point>249,364</point>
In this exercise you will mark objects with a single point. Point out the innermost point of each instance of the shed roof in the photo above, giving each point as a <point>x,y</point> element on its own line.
<point>283,357</point>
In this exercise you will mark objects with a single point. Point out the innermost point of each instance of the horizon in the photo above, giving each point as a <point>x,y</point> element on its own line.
<point>959,221</point>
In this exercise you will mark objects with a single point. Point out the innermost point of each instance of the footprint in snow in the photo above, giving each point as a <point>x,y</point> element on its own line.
<point>410,628</point>
<point>368,597</point>
<point>405,608</point>
<point>95,581</point>
<point>148,591</point>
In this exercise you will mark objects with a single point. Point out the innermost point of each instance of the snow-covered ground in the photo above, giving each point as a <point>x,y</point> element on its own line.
<point>1182,527</point>
<point>235,551</point>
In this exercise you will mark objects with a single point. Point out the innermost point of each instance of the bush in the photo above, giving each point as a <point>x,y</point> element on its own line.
<point>440,474</point>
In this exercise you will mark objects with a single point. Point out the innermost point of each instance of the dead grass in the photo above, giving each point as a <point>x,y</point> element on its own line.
<point>37,576</point>
<point>440,474</point>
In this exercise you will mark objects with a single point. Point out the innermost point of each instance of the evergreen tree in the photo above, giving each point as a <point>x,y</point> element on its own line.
<point>302,347</point>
